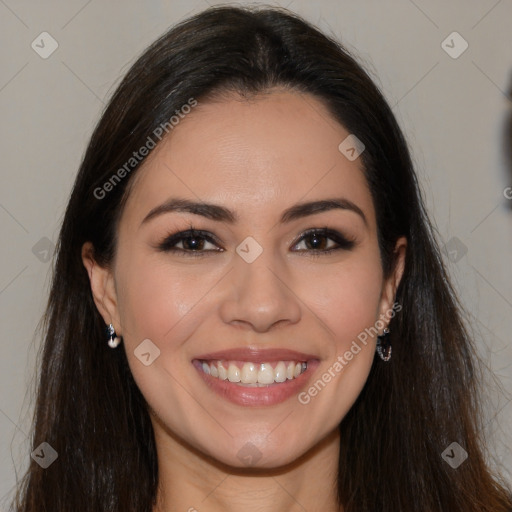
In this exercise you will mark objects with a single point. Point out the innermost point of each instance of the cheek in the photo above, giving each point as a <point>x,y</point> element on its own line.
<point>160,301</point>
<point>165,304</point>
<point>147,304</point>
<point>347,298</point>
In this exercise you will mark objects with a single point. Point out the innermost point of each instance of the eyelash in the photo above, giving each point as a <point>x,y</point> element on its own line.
<point>167,245</point>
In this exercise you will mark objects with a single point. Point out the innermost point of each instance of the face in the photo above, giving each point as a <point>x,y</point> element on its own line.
<point>240,319</point>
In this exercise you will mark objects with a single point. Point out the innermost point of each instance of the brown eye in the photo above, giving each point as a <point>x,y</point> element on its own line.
<point>324,241</point>
<point>193,243</point>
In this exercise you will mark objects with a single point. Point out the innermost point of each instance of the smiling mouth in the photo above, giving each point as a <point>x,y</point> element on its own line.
<point>250,374</point>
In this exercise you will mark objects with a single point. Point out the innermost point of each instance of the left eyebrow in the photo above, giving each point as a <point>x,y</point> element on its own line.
<point>221,214</point>
<point>304,209</point>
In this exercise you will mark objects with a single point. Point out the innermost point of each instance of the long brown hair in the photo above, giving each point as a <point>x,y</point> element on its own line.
<point>89,408</point>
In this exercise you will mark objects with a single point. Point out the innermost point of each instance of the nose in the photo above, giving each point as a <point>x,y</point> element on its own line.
<point>259,295</point>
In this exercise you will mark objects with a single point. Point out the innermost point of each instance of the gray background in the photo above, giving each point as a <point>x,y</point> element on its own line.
<point>454,111</point>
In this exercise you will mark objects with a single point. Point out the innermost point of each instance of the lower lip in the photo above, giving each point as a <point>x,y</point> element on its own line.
<point>257,396</point>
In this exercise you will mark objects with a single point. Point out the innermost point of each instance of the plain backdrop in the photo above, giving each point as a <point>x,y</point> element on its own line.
<point>453,103</point>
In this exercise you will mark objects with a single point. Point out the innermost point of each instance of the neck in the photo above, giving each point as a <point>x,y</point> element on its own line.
<point>192,482</point>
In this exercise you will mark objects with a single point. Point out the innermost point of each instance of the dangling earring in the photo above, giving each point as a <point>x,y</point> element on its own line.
<point>384,345</point>
<point>113,340</point>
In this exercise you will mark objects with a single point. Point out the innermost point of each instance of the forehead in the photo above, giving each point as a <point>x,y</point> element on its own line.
<point>255,156</point>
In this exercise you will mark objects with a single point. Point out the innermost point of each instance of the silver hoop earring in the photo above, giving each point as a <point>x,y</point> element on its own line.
<point>113,340</point>
<point>384,345</point>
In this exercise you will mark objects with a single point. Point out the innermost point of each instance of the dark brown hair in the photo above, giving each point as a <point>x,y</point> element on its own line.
<point>89,408</point>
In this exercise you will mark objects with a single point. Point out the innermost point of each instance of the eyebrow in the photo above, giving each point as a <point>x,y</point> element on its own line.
<point>221,214</point>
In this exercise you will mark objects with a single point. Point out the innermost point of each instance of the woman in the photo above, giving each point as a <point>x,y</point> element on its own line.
<point>281,332</point>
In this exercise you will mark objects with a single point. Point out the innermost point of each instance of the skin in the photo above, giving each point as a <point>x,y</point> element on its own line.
<point>256,157</point>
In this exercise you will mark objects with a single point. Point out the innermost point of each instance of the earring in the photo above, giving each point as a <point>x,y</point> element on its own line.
<point>384,345</point>
<point>113,340</point>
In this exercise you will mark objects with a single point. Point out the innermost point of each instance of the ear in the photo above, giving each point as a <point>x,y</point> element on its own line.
<point>390,285</point>
<point>102,287</point>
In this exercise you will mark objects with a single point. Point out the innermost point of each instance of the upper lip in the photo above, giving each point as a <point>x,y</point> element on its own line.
<point>257,355</point>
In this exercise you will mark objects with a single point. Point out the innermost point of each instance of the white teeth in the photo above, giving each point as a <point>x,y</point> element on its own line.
<point>214,372</point>
<point>233,373</point>
<point>249,374</point>
<point>223,374</point>
<point>266,374</point>
<point>280,372</point>
<point>254,374</point>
